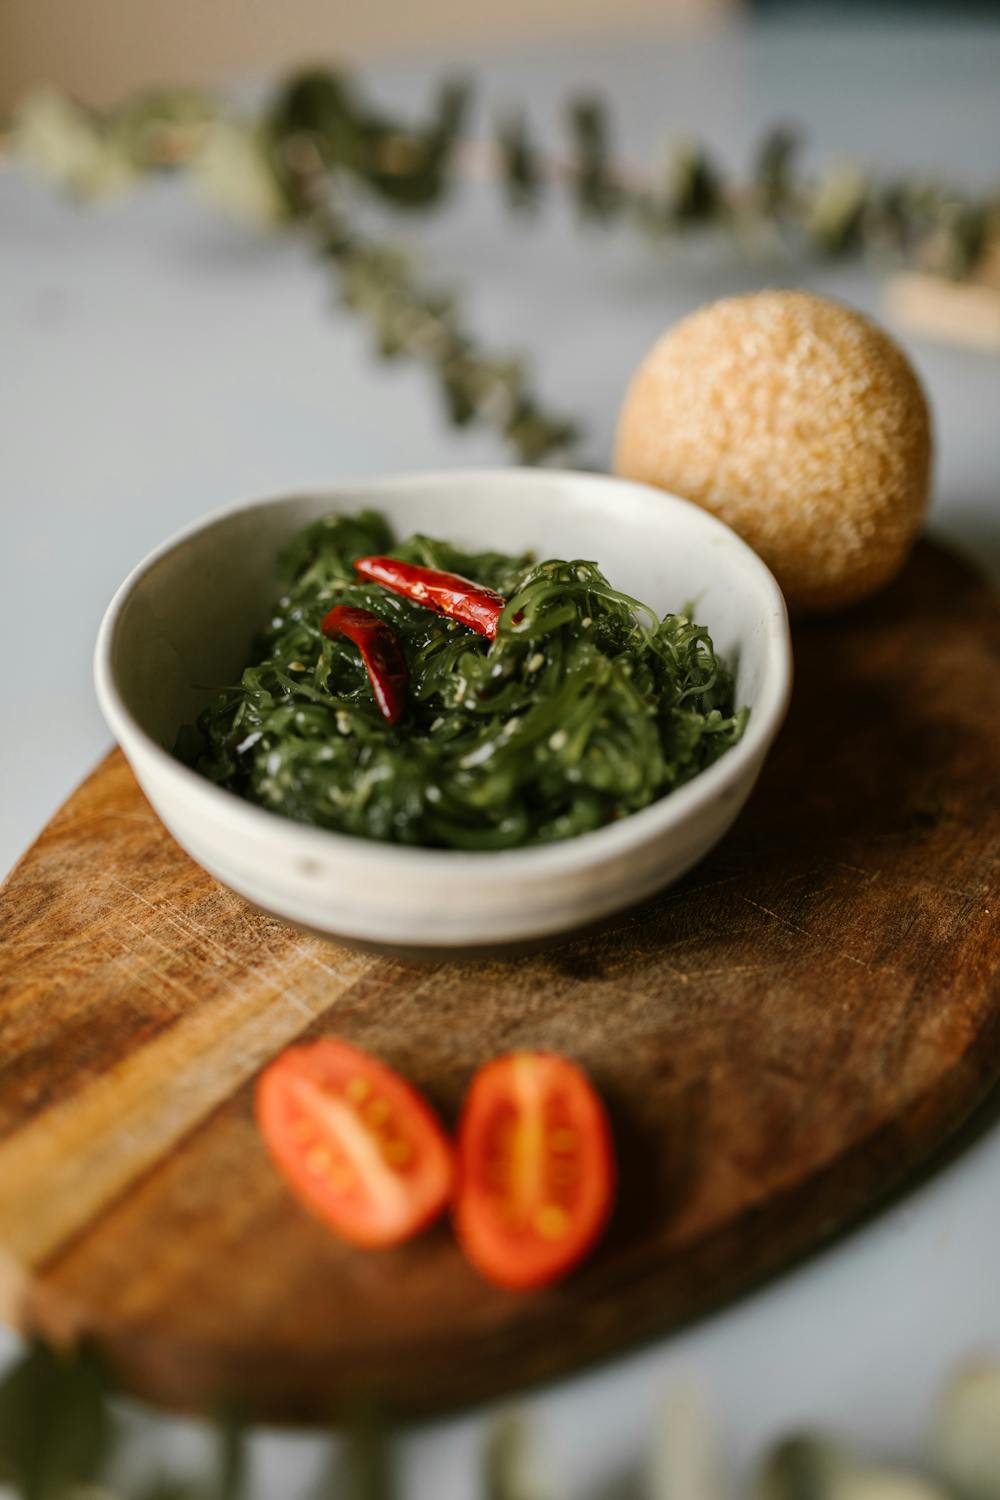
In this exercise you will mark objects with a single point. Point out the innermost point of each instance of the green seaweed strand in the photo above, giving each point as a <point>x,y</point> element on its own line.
<point>585,708</point>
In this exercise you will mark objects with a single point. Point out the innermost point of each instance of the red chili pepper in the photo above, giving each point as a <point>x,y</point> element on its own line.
<point>381,652</point>
<point>445,593</point>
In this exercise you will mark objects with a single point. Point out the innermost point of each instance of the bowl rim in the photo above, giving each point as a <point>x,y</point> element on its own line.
<point>594,847</point>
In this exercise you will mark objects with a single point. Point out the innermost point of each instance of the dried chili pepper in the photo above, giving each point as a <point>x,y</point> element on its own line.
<point>381,651</point>
<point>445,593</point>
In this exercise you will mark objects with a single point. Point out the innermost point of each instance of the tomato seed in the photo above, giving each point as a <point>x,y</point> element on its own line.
<point>358,1090</point>
<point>563,1142</point>
<point>551,1221</point>
<point>377,1112</point>
<point>398,1153</point>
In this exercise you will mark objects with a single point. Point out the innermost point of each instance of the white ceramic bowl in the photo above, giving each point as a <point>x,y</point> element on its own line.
<point>180,626</point>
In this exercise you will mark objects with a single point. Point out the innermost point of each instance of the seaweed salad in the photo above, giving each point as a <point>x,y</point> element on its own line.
<point>391,698</point>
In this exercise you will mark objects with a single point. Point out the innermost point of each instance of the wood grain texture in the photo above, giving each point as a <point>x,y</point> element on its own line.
<point>781,1039</point>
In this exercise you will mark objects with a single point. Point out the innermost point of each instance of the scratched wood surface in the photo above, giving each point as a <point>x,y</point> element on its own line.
<point>781,1040</point>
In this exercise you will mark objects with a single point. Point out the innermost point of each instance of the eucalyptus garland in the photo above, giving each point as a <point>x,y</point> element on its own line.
<point>316,152</point>
<point>62,1437</point>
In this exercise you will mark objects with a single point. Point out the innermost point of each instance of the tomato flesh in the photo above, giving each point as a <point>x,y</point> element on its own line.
<point>536,1169</point>
<point>358,1146</point>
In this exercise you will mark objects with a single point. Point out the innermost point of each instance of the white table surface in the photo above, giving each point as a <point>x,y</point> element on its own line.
<point>157,362</point>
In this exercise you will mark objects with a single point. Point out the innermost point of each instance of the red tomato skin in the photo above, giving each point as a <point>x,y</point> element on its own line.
<point>515,1260</point>
<point>431,1181</point>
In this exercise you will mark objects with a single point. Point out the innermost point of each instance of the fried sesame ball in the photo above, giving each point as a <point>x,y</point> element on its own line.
<point>798,423</point>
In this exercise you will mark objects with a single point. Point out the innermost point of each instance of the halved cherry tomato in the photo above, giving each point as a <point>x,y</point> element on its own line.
<point>359,1146</point>
<point>536,1169</point>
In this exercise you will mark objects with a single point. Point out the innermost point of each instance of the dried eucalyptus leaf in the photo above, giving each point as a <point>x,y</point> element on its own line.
<point>69,145</point>
<point>965,1442</point>
<point>162,128</point>
<point>169,1487</point>
<point>511,1467</point>
<point>597,195</point>
<point>876,1482</point>
<point>969,223</point>
<point>773,172</point>
<point>409,166</point>
<point>406,165</point>
<point>319,103</point>
<point>364,1466</point>
<point>231,1462</point>
<point>520,165</point>
<point>235,168</point>
<point>810,1467</point>
<point>887,225</point>
<point>834,216</point>
<point>55,1430</point>
<point>536,437</point>
<point>805,1466</point>
<point>684,1460</point>
<point>694,194</point>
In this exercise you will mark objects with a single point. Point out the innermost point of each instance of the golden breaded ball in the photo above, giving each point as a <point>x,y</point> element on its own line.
<point>798,423</point>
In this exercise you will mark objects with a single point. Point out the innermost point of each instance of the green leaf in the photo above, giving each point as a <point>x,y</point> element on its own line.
<point>510,1469</point>
<point>522,172</point>
<point>694,191</point>
<point>774,169</point>
<point>597,194</point>
<point>55,1429</point>
<point>404,164</point>
<point>363,1467</point>
<point>167,1487</point>
<point>835,216</point>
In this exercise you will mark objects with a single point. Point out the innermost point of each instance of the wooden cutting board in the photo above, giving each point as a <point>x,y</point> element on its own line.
<point>781,1040</point>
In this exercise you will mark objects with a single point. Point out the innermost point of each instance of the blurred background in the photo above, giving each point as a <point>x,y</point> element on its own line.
<point>101,48</point>
<point>161,358</point>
